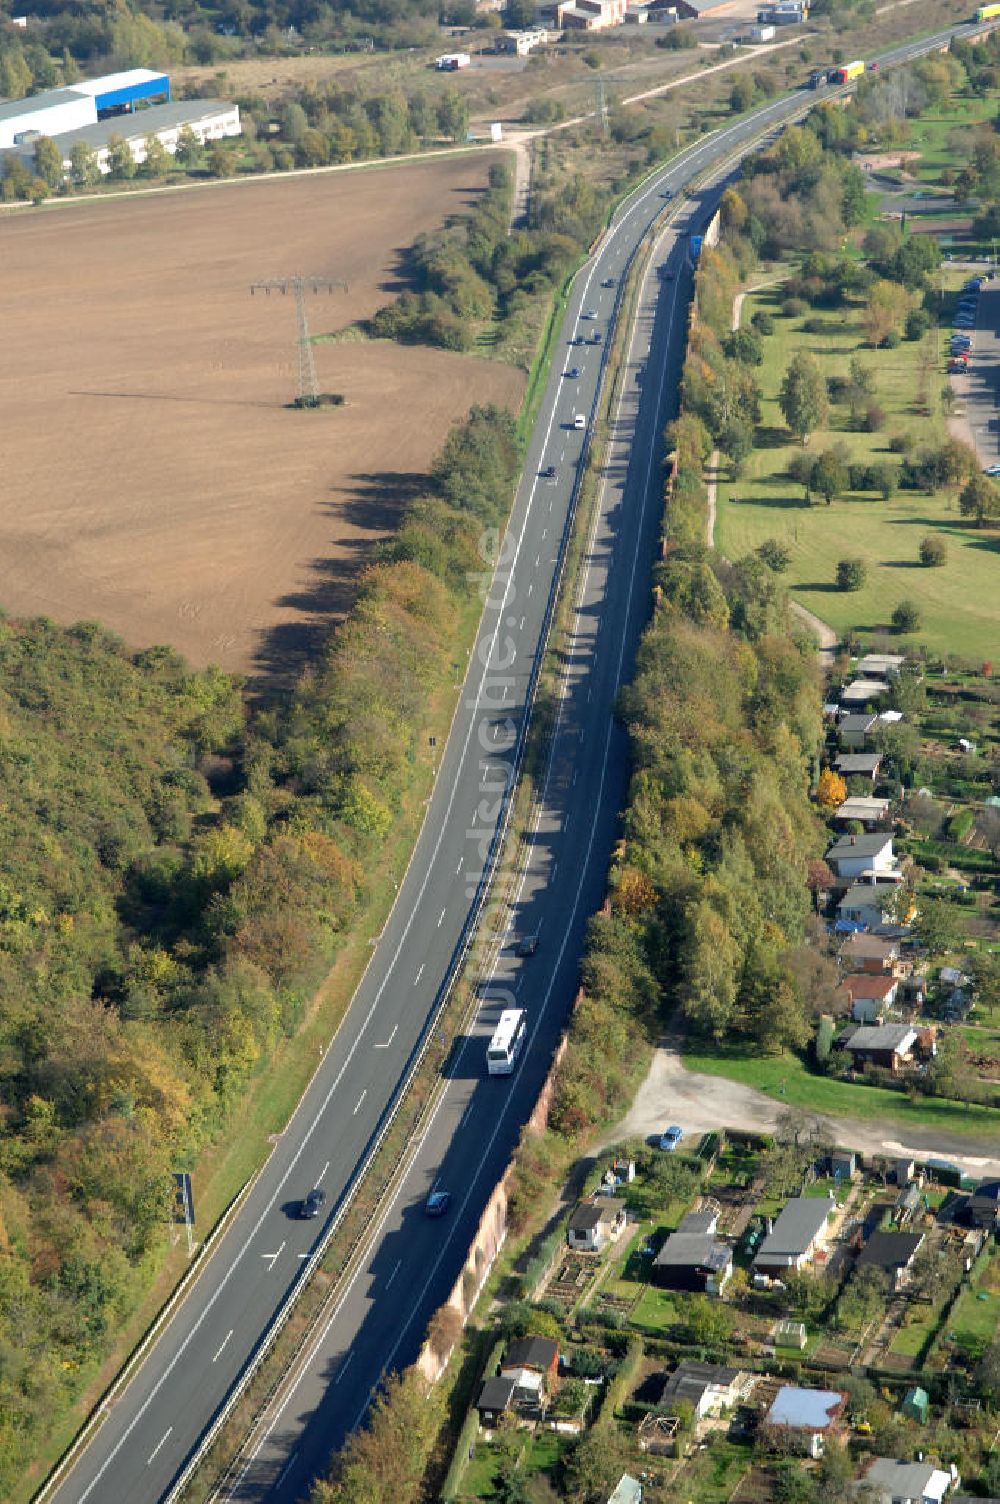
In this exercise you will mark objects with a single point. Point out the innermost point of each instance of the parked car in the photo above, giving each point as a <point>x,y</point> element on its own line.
<point>993,470</point>
<point>437,1203</point>
<point>312,1205</point>
<point>671,1137</point>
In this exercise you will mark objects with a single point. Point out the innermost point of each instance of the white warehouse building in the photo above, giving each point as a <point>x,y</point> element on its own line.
<point>117,104</point>
<point>209,119</point>
<point>55,111</point>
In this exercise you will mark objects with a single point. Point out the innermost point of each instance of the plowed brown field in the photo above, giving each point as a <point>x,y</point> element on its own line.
<point>153,477</point>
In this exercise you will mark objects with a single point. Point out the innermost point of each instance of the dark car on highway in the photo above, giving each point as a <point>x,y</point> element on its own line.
<point>312,1205</point>
<point>437,1203</point>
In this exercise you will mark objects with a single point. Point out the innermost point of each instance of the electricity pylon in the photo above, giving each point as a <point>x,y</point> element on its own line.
<point>299,285</point>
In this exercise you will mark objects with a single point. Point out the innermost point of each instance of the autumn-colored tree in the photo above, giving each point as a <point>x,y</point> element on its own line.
<point>635,893</point>
<point>831,790</point>
<point>884,311</point>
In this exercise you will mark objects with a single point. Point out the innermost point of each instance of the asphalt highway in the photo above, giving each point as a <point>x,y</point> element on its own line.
<point>157,1422</point>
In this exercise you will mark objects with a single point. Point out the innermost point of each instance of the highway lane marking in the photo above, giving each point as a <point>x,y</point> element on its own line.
<point>322,1335</point>
<point>538,560</point>
<point>344,1366</point>
<point>531,588</point>
<point>273,1256</point>
<point>285,1470</point>
<point>644,195</point>
<point>222,1345</point>
<point>419,974</point>
<point>158,1445</point>
<point>545,534</point>
<point>323,1172</point>
<point>523,620</point>
<point>392,1276</point>
<point>360,1100</point>
<point>390,1039</point>
<point>441,920</point>
<point>459,867</point>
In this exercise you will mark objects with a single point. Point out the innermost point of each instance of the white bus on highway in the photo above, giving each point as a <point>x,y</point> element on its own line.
<point>505,1046</point>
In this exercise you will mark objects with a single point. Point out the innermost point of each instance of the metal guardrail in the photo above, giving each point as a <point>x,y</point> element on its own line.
<point>483,892</point>
<point>469,929</point>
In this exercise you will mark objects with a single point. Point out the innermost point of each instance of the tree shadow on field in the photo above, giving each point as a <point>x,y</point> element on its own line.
<point>404,272</point>
<point>766,437</point>
<point>372,503</point>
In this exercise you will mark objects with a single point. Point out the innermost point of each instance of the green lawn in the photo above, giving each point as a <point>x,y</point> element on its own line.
<point>655,1312</point>
<point>786,1078</point>
<point>711,1476</point>
<point>975,1318</point>
<point>920,1323</point>
<point>959,601</point>
<point>538,1453</point>
<point>930,134</point>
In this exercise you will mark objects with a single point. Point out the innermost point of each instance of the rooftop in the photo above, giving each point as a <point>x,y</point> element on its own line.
<point>875,947</point>
<point>880,663</point>
<point>590,1214</point>
<point>869,984</point>
<point>142,123</point>
<point>858,762</point>
<point>45,101</point>
<point>705,1219</point>
<point>697,1250</point>
<point>496,1393</point>
<point>858,720</point>
<point>889,1250</point>
<point>531,1352</point>
<point>859,846</point>
<point>896,1037</point>
<point>861,690</point>
<point>801,1221</point>
<point>907,1480</point>
<point>108,83</point>
<point>862,895</point>
<point>805,1409</point>
<point>690,1379</point>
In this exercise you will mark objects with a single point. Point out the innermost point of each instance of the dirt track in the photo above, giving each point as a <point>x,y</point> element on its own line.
<point>700,1103</point>
<point>153,477</point>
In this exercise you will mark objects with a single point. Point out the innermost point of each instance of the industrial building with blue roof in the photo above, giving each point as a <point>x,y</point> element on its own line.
<point>133,104</point>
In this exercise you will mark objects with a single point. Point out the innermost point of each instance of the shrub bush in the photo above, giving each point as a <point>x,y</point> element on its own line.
<point>901,443</point>
<point>816,326</point>
<point>933,551</point>
<point>906,617</point>
<point>763,321</point>
<point>874,418</point>
<point>851,574</point>
<point>918,322</point>
<point>794,308</point>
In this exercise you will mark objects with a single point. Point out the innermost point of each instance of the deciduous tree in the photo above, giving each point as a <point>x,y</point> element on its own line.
<point>802,398</point>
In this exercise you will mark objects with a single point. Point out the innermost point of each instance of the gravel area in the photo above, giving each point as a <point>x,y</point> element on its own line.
<point>699,1104</point>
